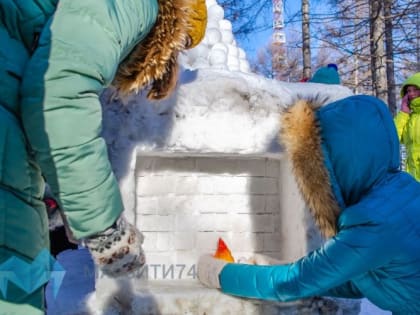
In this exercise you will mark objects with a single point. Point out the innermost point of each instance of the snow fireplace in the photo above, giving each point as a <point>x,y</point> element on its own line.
<point>198,167</point>
<point>185,203</point>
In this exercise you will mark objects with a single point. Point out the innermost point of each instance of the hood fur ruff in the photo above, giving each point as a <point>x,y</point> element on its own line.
<point>300,135</point>
<point>154,60</point>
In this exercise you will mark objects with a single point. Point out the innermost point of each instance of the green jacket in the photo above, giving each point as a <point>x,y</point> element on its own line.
<point>50,89</point>
<point>408,128</point>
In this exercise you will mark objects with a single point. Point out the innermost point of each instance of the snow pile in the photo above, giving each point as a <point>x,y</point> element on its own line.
<point>218,50</point>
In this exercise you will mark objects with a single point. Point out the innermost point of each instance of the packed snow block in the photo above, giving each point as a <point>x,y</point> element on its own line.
<point>201,165</point>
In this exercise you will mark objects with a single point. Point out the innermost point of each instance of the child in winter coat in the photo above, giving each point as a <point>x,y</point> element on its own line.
<point>407,122</point>
<point>56,56</point>
<point>345,157</point>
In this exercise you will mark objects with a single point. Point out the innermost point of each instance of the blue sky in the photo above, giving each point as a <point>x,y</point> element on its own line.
<point>293,30</point>
<point>260,39</point>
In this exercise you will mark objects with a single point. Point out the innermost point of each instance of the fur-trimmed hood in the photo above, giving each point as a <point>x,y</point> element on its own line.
<point>154,60</point>
<point>339,152</point>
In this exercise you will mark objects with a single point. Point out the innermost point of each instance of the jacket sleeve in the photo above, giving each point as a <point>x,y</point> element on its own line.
<point>346,290</point>
<point>400,121</point>
<point>77,56</point>
<point>326,271</point>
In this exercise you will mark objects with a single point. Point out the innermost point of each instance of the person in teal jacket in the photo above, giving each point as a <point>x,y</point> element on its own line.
<point>345,157</point>
<point>55,59</point>
<point>407,122</point>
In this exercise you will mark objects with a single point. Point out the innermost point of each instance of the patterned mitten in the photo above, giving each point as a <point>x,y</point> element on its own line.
<point>117,251</point>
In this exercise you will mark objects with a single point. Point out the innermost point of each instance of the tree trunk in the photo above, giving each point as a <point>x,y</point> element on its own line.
<point>377,50</point>
<point>357,46</point>
<point>306,44</point>
<point>390,72</point>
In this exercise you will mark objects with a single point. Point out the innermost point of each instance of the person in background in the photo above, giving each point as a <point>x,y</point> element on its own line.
<point>407,122</point>
<point>55,59</point>
<point>345,158</point>
<point>326,75</point>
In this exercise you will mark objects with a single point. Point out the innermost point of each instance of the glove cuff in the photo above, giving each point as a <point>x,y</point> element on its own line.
<point>117,251</point>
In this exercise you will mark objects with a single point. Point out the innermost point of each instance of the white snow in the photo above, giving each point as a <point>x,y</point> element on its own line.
<point>219,108</point>
<point>212,111</point>
<point>79,284</point>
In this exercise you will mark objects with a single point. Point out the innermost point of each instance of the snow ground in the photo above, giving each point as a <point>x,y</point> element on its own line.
<point>78,283</point>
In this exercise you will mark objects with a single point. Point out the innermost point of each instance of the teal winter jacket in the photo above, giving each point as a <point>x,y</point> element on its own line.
<point>55,59</point>
<point>346,160</point>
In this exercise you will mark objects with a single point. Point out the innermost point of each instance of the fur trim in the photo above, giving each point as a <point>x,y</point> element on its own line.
<point>300,134</point>
<point>154,60</point>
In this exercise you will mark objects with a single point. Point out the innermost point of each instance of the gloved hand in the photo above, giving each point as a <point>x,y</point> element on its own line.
<point>117,251</point>
<point>209,269</point>
<point>405,107</point>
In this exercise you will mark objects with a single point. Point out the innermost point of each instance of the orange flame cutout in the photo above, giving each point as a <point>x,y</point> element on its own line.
<point>223,252</point>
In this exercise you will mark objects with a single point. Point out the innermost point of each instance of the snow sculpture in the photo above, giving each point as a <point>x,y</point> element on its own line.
<point>204,164</point>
